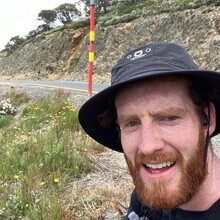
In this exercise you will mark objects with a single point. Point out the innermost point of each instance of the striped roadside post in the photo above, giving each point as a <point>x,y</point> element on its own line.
<point>91,46</point>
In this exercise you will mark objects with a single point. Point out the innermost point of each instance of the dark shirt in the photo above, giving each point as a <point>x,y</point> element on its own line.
<point>145,213</point>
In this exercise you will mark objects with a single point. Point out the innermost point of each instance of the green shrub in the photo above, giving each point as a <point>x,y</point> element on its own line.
<point>5,120</point>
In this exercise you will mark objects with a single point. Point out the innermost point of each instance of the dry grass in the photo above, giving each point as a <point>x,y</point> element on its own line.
<point>105,192</point>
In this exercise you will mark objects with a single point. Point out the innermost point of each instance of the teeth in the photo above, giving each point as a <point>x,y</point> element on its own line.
<point>160,165</point>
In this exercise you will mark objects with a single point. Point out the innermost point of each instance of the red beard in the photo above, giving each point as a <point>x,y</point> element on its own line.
<point>156,196</point>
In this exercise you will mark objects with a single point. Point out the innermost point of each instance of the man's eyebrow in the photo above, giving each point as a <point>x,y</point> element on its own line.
<point>125,117</point>
<point>165,110</point>
<point>169,111</point>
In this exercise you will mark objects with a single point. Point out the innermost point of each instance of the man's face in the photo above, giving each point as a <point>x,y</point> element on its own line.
<point>163,141</point>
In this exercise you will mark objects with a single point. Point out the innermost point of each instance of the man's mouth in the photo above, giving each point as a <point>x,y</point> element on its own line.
<point>160,165</point>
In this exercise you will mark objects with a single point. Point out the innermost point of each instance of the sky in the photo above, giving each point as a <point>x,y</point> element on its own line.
<point>19,17</point>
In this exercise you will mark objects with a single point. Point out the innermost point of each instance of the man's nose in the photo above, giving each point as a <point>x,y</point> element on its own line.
<point>150,139</point>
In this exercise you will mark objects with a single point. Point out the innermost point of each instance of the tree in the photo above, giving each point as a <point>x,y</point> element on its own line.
<point>14,43</point>
<point>86,4</point>
<point>67,12</point>
<point>48,16</point>
<point>40,29</point>
<point>101,6</point>
<point>17,40</point>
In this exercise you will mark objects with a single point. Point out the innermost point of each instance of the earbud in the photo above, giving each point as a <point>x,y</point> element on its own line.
<point>205,120</point>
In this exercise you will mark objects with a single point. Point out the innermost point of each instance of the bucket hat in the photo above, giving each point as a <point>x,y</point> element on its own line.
<point>146,61</point>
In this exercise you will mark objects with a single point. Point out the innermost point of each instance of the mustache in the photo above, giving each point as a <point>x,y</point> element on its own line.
<point>157,158</point>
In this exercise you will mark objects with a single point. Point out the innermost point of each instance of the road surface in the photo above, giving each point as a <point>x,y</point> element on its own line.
<point>67,85</point>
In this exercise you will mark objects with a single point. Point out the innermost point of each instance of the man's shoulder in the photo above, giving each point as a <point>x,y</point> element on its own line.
<point>144,212</point>
<point>214,211</point>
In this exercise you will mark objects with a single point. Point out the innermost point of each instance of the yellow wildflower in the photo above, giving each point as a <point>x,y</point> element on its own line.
<point>25,137</point>
<point>16,176</point>
<point>42,183</point>
<point>56,180</point>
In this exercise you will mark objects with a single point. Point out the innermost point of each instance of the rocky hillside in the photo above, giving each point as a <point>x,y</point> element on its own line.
<point>63,52</point>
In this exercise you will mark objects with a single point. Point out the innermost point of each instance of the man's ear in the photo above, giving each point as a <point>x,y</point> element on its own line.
<point>212,118</point>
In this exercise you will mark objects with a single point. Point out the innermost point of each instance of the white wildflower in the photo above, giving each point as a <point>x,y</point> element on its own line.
<point>6,108</point>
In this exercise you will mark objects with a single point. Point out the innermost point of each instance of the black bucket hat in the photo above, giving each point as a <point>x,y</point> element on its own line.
<point>146,61</point>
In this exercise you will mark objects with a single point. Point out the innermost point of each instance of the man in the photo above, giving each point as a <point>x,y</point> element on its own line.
<point>161,111</point>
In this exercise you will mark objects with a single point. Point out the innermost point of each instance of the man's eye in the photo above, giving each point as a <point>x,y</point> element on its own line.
<point>132,123</point>
<point>171,118</point>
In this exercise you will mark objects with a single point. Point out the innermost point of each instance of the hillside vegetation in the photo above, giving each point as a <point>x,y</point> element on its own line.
<point>63,52</point>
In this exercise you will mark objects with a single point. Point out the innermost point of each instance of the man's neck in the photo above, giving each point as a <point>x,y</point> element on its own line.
<point>208,192</point>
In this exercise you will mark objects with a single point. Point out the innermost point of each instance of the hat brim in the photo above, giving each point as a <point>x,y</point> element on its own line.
<point>97,104</point>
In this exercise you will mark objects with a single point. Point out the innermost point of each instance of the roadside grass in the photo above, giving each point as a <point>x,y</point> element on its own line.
<point>6,120</point>
<point>42,152</point>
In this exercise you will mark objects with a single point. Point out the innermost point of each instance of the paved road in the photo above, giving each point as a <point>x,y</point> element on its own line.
<point>67,85</point>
